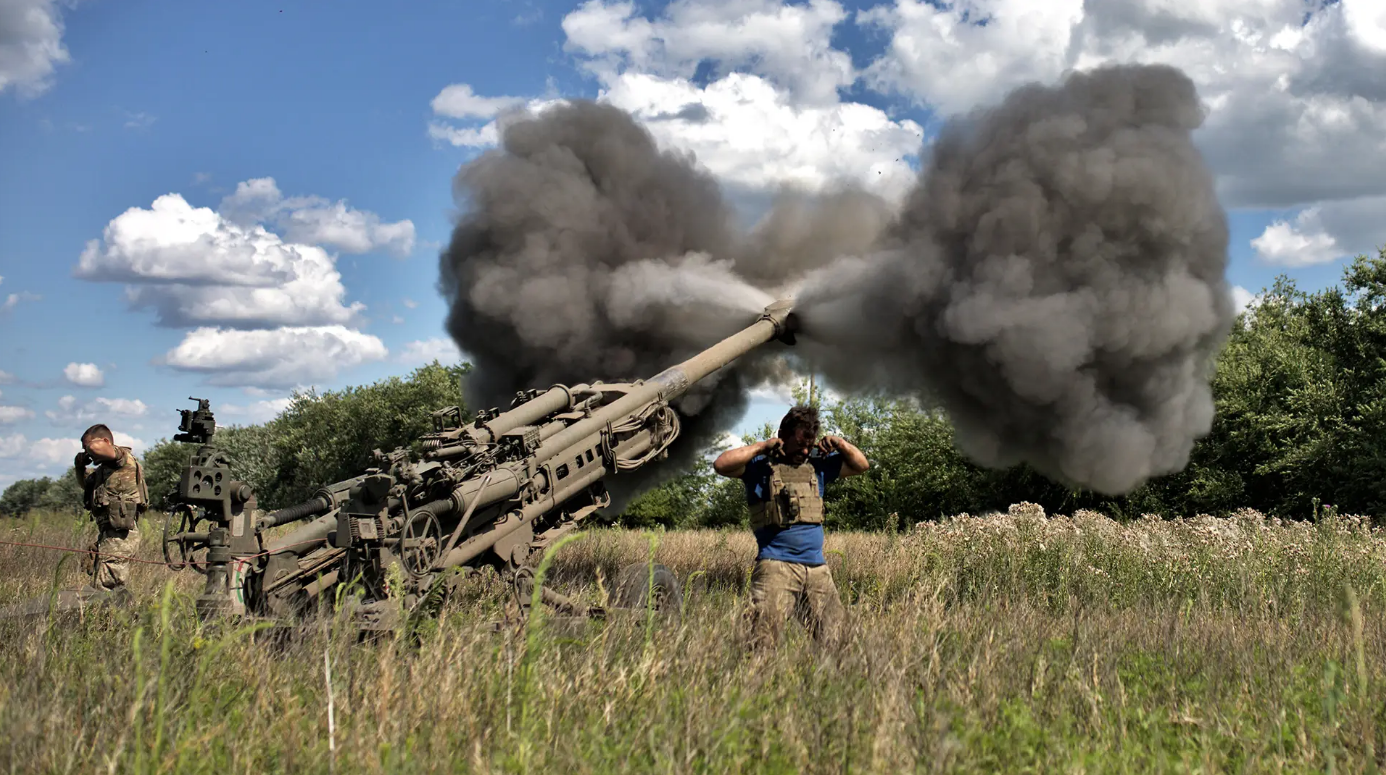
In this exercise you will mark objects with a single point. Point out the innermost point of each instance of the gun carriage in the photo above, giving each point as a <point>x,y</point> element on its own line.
<point>496,491</point>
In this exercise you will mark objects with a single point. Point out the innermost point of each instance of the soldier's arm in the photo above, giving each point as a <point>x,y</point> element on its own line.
<point>79,469</point>
<point>732,463</point>
<point>853,461</point>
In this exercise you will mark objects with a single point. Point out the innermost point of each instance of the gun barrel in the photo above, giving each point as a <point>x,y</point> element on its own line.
<point>671,383</point>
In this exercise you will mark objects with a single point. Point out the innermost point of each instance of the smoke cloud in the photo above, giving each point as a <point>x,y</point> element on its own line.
<point>1054,281</point>
<point>588,253</point>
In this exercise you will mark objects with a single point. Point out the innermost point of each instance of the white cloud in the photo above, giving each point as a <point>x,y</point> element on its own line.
<point>96,410</point>
<point>60,451</point>
<point>427,351</point>
<point>410,303</point>
<point>139,120</point>
<point>459,101</point>
<point>750,134</point>
<point>283,358</point>
<point>14,445</point>
<point>84,374</point>
<point>195,267</point>
<point>483,135</point>
<point>1297,109</point>
<point>13,414</point>
<point>314,220</point>
<point>256,412</point>
<point>939,54</point>
<point>12,300</point>
<point>1327,231</point>
<point>6,377</point>
<point>771,116</point>
<point>728,440</point>
<point>31,45</point>
<point>789,45</point>
<point>1301,244</point>
<point>1242,298</point>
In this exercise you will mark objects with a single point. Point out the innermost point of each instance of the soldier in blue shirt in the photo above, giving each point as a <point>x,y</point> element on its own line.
<point>785,479</point>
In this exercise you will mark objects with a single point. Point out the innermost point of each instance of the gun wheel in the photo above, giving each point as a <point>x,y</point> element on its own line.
<point>421,544</point>
<point>635,584</point>
<point>176,542</point>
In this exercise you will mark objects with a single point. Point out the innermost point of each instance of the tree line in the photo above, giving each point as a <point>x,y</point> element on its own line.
<point>1300,391</point>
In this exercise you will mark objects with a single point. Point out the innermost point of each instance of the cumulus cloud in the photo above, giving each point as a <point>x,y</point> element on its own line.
<point>750,134</point>
<point>13,300</point>
<point>31,45</point>
<point>768,115</point>
<point>13,414</point>
<point>1296,93</point>
<point>276,358</point>
<point>102,409</point>
<point>255,412</point>
<point>1325,232</point>
<point>1242,298</point>
<point>441,349</point>
<point>314,220</point>
<point>790,45</point>
<point>192,266</point>
<point>84,374</point>
<point>470,122</point>
<point>459,101</point>
<point>60,451</point>
<point>6,377</point>
<point>198,266</point>
<point>13,446</point>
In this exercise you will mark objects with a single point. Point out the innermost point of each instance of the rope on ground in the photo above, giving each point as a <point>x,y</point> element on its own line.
<point>141,560</point>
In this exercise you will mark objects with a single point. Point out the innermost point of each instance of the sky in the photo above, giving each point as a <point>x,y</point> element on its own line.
<point>237,200</point>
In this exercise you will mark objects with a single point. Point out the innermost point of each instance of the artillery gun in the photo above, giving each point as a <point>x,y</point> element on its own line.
<point>496,491</point>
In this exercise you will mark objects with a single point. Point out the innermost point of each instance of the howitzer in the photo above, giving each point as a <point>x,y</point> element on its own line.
<point>494,492</point>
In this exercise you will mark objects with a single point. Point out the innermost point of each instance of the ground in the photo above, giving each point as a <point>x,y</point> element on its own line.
<point>1000,643</point>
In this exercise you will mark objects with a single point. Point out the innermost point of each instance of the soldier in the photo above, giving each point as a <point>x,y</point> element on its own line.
<point>785,480</point>
<point>116,496</point>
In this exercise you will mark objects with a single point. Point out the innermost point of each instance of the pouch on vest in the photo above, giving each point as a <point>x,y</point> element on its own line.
<point>121,514</point>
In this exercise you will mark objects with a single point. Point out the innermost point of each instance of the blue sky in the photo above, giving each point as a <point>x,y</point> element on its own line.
<point>105,107</point>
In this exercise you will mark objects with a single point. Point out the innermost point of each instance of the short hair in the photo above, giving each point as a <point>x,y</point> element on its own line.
<point>98,431</point>
<point>801,417</point>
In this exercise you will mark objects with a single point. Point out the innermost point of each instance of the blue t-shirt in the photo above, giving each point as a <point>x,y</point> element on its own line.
<point>795,543</point>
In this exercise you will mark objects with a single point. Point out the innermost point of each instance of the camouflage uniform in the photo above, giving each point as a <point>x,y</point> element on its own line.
<point>791,498</point>
<point>116,496</point>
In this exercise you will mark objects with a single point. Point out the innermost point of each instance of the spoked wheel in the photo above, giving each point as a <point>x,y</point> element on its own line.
<point>636,583</point>
<point>180,542</point>
<point>421,545</point>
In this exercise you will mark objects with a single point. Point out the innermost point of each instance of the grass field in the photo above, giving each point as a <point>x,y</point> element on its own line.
<point>1004,643</point>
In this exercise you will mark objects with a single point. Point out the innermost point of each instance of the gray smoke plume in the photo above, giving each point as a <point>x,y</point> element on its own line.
<point>587,253</point>
<point>1055,282</point>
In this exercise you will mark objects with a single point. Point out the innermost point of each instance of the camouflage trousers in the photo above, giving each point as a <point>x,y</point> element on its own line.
<point>780,589</point>
<point>109,572</point>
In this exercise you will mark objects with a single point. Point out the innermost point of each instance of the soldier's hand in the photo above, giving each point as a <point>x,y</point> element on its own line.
<point>82,460</point>
<point>771,444</point>
<point>829,444</point>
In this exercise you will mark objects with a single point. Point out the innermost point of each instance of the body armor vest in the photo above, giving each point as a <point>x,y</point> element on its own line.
<point>793,497</point>
<point>118,508</point>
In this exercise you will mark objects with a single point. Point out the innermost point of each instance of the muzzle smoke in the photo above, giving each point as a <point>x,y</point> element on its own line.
<point>1054,282</point>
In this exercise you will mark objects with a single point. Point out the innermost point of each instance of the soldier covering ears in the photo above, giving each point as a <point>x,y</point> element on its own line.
<point>116,496</point>
<point>785,479</point>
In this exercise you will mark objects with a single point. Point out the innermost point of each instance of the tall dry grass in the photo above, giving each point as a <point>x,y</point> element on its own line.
<point>1014,642</point>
